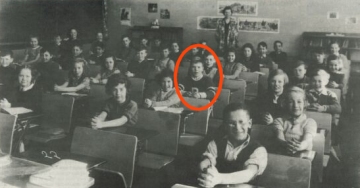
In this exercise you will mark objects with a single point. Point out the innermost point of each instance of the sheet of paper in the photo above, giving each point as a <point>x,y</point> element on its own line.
<point>16,110</point>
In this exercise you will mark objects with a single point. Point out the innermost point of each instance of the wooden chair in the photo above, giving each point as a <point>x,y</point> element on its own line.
<point>94,70</point>
<point>137,90</point>
<point>263,80</point>
<point>339,97</point>
<point>283,172</point>
<point>117,149</point>
<point>319,147</point>
<point>237,88</point>
<point>196,125</point>
<point>122,66</point>
<point>221,103</point>
<point>161,149</point>
<point>7,127</point>
<point>253,87</point>
<point>97,98</point>
<point>323,121</point>
<point>107,178</point>
<point>57,114</point>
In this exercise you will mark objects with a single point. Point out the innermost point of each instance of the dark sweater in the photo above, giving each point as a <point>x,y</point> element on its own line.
<point>50,75</point>
<point>30,99</point>
<point>140,69</point>
<point>280,59</point>
<point>205,84</point>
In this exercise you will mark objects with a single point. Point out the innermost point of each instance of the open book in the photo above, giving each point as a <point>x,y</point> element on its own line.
<point>16,110</point>
<point>169,109</point>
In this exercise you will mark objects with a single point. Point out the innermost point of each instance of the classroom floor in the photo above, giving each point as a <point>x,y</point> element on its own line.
<point>346,173</point>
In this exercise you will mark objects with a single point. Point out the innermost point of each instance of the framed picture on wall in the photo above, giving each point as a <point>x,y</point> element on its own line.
<point>333,15</point>
<point>152,7</point>
<point>125,16</point>
<point>208,22</point>
<point>259,25</point>
<point>239,8</point>
<point>164,14</point>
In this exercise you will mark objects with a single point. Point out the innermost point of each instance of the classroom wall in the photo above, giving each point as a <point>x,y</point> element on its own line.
<point>296,17</point>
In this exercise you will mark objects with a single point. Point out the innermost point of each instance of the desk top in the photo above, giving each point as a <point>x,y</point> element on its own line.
<point>21,167</point>
<point>29,116</point>
<point>141,134</point>
<point>39,157</point>
<point>219,186</point>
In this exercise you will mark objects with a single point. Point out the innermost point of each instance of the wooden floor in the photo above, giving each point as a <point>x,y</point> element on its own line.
<point>346,173</point>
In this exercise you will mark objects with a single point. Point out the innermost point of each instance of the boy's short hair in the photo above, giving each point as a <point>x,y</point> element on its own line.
<point>108,54</point>
<point>231,50</point>
<point>234,107</point>
<point>196,59</point>
<point>318,51</point>
<point>278,41</point>
<point>125,36</point>
<point>116,79</point>
<point>322,73</point>
<point>333,57</point>
<point>263,44</point>
<point>142,49</point>
<point>164,47</point>
<point>6,53</point>
<point>248,45</point>
<point>294,89</point>
<point>164,74</point>
<point>78,44</point>
<point>34,36</point>
<point>99,44</point>
<point>334,42</point>
<point>46,49</point>
<point>298,63</point>
<point>276,73</point>
<point>226,8</point>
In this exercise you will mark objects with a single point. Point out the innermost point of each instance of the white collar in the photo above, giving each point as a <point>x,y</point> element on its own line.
<point>27,88</point>
<point>197,78</point>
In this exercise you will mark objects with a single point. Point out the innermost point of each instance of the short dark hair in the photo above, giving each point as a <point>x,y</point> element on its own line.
<point>248,45</point>
<point>34,36</point>
<point>298,63</point>
<point>318,51</point>
<point>99,44</point>
<point>116,79</point>
<point>78,44</point>
<point>45,49</point>
<point>262,43</point>
<point>278,41</point>
<point>165,46</point>
<point>231,50</point>
<point>108,54</point>
<point>234,107</point>
<point>125,36</point>
<point>7,52</point>
<point>226,8</point>
<point>332,57</point>
<point>164,74</point>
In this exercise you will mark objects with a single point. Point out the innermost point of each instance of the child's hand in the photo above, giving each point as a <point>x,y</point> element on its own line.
<point>96,123</point>
<point>91,62</point>
<point>57,88</point>
<point>333,84</point>
<point>104,81</point>
<point>157,68</point>
<point>318,107</point>
<point>210,178</point>
<point>295,145</point>
<point>187,94</point>
<point>95,81</point>
<point>196,95</point>
<point>148,103</point>
<point>4,103</point>
<point>129,74</point>
<point>268,119</point>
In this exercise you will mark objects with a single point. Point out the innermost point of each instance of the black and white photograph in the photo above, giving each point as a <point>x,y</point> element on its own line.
<point>179,94</point>
<point>164,14</point>
<point>152,7</point>
<point>239,8</point>
<point>264,25</point>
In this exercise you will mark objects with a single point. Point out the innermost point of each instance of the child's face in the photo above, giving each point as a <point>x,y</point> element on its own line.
<point>319,58</point>
<point>47,56</point>
<point>334,65</point>
<point>197,69</point>
<point>126,41</point>
<point>78,69</point>
<point>157,42</point>
<point>141,55</point>
<point>231,57</point>
<point>73,34</point>
<point>334,49</point>
<point>77,51</point>
<point>166,84</point>
<point>277,84</point>
<point>295,104</point>
<point>238,124</point>
<point>165,53</point>
<point>299,72</point>
<point>34,42</point>
<point>247,52</point>
<point>119,93</point>
<point>262,50</point>
<point>99,51</point>
<point>209,61</point>
<point>109,63</point>
<point>318,82</point>
<point>57,39</point>
<point>6,60</point>
<point>175,47</point>
<point>204,43</point>
<point>144,42</point>
<point>278,47</point>
<point>194,51</point>
<point>227,13</point>
<point>100,37</point>
<point>25,77</point>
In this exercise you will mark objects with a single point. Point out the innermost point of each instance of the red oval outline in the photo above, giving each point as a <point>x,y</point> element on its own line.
<point>176,84</point>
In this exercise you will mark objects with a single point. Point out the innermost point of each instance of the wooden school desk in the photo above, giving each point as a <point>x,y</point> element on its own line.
<point>219,186</point>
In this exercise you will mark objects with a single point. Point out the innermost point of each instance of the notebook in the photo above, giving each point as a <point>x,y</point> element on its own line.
<point>16,110</point>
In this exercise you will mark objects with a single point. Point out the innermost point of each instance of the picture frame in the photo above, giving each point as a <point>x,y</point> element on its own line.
<point>239,8</point>
<point>259,25</point>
